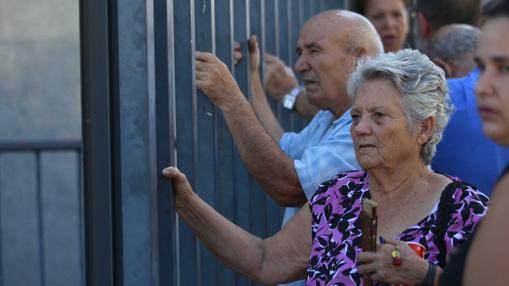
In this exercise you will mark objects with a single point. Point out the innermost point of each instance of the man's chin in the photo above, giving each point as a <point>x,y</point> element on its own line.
<point>313,96</point>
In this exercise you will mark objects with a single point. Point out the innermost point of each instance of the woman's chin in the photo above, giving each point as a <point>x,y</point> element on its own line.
<point>496,133</point>
<point>368,164</point>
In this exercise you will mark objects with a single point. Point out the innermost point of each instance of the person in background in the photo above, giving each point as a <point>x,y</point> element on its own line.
<point>290,166</point>
<point>483,261</point>
<point>452,48</point>
<point>390,18</point>
<point>431,15</point>
<point>400,107</point>
<point>464,151</point>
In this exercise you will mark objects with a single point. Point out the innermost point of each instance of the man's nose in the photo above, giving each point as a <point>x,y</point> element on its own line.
<point>302,64</point>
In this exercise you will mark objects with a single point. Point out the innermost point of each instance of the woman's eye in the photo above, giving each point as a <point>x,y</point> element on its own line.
<point>379,114</point>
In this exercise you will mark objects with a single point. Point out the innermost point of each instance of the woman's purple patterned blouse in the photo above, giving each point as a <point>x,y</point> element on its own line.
<point>336,232</point>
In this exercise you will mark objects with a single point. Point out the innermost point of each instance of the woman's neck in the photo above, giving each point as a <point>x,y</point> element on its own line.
<point>393,184</point>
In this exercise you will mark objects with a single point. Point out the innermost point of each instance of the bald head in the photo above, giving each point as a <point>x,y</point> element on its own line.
<point>346,28</point>
<point>329,47</point>
<point>454,45</point>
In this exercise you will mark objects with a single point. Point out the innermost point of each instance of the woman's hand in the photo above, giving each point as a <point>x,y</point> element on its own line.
<point>182,188</point>
<point>379,266</point>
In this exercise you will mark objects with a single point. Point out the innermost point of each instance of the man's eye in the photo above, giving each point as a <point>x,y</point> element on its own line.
<point>379,114</point>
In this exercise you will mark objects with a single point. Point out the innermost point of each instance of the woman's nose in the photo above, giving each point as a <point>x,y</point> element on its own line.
<point>484,85</point>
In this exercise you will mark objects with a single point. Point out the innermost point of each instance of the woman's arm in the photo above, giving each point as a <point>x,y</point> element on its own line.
<point>488,258</point>
<point>280,258</point>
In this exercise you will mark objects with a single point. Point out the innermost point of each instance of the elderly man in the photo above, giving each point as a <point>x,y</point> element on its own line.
<point>431,15</point>
<point>452,48</point>
<point>464,150</point>
<point>290,166</point>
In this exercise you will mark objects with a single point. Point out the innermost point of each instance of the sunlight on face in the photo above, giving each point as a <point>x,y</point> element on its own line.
<point>381,135</point>
<point>492,88</point>
<point>323,63</point>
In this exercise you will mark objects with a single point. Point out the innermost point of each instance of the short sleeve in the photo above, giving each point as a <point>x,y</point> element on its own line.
<point>320,163</point>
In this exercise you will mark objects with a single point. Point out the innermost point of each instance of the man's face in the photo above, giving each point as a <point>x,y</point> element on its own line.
<point>325,65</point>
<point>492,89</point>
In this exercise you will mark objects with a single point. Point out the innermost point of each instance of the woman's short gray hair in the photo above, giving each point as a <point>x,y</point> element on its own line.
<point>422,86</point>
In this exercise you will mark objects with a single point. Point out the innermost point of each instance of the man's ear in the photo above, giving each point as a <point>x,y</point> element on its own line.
<point>425,30</point>
<point>444,65</point>
<point>425,130</point>
<point>359,53</point>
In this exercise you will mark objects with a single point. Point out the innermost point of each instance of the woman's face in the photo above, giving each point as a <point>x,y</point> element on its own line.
<point>381,135</point>
<point>492,89</point>
<point>390,19</point>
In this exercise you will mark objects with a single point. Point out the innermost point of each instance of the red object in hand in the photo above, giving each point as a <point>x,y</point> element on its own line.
<point>418,248</point>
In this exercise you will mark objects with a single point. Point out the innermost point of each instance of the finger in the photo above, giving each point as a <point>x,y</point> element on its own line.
<point>236,46</point>
<point>237,56</point>
<point>204,56</point>
<point>270,57</point>
<point>252,44</point>
<point>202,84</point>
<point>201,75</point>
<point>364,269</point>
<point>171,173</point>
<point>366,257</point>
<point>394,241</point>
<point>202,66</point>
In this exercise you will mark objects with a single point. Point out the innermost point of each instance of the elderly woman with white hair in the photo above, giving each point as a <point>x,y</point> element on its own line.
<point>400,108</point>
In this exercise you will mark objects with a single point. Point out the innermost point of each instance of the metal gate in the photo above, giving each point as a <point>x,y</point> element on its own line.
<point>142,112</point>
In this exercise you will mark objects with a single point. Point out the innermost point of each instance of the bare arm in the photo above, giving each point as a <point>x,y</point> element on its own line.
<point>487,258</point>
<point>262,155</point>
<point>280,80</point>
<point>280,258</point>
<point>259,100</point>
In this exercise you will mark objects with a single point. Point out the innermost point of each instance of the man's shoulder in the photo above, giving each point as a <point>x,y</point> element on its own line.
<point>463,84</point>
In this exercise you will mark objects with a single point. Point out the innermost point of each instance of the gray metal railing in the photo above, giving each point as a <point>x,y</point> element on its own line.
<point>45,207</point>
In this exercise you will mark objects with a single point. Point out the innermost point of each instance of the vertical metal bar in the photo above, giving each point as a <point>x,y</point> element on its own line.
<point>205,113</point>
<point>95,91</point>
<point>224,184</point>
<point>283,53</point>
<point>81,232</point>
<point>151,151</point>
<point>307,9</point>
<point>40,216</point>
<point>1,227</point>
<point>270,36</point>
<point>185,93</point>
<point>316,8</point>
<point>241,175</point>
<point>165,93</point>
<point>257,196</point>
<point>298,122</point>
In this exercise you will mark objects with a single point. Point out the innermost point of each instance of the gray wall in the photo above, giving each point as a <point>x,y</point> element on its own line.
<point>40,202</point>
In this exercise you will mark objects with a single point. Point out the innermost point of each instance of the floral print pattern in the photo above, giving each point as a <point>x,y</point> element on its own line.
<point>336,227</point>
